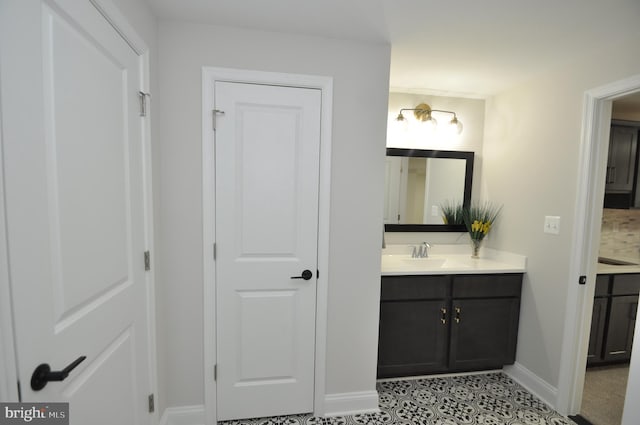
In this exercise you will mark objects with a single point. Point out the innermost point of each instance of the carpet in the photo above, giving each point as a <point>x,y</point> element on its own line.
<point>603,394</point>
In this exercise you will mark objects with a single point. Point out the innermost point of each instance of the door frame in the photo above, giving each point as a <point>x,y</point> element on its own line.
<point>586,236</point>
<point>325,84</point>
<point>8,355</point>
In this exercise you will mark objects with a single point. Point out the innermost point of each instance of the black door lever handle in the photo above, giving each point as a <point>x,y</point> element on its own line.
<point>43,374</point>
<point>306,275</point>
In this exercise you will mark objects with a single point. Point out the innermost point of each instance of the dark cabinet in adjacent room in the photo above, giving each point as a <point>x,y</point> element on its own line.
<point>614,316</point>
<point>622,159</point>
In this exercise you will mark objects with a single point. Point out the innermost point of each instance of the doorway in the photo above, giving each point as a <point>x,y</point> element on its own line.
<point>213,81</point>
<point>616,295</point>
<point>593,156</point>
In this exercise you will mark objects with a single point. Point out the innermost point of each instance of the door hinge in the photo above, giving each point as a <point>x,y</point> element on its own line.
<point>215,114</point>
<point>152,404</point>
<point>147,261</point>
<point>143,102</point>
<point>582,280</point>
<point>19,392</point>
<point>214,251</point>
<point>215,372</point>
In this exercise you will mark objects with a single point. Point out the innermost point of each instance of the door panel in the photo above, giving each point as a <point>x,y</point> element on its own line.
<point>111,372</point>
<point>596,339</point>
<point>75,190</point>
<point>412,337</point>
<point>620,328</point>
<point>267,169</point>
<point>488,328</point>
<point>87,179</point>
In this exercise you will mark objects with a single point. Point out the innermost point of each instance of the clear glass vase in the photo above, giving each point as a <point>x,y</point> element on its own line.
<point>475,248</point>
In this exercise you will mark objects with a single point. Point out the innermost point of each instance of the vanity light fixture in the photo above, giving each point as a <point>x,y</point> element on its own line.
<point>422,112</point>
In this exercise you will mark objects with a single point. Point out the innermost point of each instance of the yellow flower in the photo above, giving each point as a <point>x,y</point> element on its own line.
<point>486,227</point>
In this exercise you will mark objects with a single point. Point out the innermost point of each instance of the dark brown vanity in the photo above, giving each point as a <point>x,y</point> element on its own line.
<point>447,323</point>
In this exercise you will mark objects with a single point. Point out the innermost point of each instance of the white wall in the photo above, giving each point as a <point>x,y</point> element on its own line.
<point>361,77</point>
<point>530,164</point>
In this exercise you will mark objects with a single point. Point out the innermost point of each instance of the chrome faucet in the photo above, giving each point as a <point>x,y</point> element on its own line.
<point>421,251</point>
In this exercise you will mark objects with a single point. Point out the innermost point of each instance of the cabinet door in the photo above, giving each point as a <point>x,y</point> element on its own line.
<point>596,338</point>
<point>622,320</point>
<point>413,336</point>
<point>483,333</point>
<point>622,158</point>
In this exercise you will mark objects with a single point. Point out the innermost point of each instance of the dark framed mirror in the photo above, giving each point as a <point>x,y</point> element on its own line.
<point>418,182</point>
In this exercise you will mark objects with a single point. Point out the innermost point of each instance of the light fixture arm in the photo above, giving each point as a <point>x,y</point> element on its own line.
<point>421,111</point>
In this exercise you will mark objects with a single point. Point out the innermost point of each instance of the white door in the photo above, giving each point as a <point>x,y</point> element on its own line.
<point>393,171</point>
<point>395,191</point>
<point>73,157</point>
<point>267,170</point>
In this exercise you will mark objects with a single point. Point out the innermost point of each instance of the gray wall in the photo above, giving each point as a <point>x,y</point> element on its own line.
<point>361,84</point>
<point>530,164</point>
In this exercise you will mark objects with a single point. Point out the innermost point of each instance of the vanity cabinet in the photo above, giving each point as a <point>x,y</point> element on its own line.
<point>613,320</point>
<point>447,323</point>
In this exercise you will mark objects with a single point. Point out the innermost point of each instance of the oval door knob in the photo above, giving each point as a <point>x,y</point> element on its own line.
<point>43,374</point>
<point>306,275</point>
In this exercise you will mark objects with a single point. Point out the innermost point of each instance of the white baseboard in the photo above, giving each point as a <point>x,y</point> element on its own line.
<point>183,415</point>
<point>335,405</point>
<point>533,383</point>
<point>351,403</point>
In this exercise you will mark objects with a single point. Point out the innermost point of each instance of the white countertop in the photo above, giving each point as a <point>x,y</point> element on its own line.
<point>619,269</point>
<point>609,269</point>
<point>449,259</point>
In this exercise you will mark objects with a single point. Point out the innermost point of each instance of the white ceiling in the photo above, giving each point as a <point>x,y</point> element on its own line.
<point>469,48</point>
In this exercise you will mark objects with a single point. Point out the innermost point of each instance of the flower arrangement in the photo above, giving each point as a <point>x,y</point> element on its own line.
<point>478,219</point>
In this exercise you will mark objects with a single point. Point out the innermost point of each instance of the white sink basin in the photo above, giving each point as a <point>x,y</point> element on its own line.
<point>425,262</point>
<point>452,262</point>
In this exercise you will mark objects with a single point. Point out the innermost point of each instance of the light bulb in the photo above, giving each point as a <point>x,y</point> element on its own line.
<point>402,124</point>
<point>431,123</point>
<point>455,125</point>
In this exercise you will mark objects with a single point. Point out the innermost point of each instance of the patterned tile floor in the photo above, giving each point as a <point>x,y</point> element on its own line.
<point>485,399</point>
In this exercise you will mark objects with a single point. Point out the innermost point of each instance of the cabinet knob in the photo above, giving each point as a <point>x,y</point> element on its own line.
<point>443,317</point>
<point>457,318</point>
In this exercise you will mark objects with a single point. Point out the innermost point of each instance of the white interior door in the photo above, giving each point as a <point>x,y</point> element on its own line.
<point>73,157</point>
<point>267,170</point>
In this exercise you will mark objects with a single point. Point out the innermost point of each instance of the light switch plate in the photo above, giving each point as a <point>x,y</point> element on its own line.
<point>552,224</point>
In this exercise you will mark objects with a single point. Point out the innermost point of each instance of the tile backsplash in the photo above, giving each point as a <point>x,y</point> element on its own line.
<point>620,237</point>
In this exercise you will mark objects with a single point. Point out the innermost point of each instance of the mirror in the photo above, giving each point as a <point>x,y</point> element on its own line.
<point>418,182</point>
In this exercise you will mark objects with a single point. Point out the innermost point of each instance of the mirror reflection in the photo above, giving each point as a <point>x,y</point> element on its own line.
<point>419,182</point>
